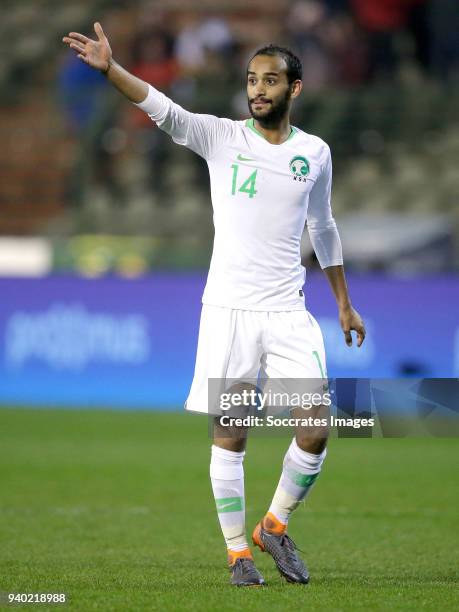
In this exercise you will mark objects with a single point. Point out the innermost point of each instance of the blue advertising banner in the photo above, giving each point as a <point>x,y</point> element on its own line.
<point>67,341</point>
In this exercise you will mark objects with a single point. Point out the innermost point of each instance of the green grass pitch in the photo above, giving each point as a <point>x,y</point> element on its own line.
<point>115,510</point>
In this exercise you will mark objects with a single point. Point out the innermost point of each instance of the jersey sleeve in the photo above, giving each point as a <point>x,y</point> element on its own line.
<point>321,225</point>
<point>203,134</point>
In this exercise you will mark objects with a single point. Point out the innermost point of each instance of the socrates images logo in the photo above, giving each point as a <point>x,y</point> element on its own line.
<point>299,166</point>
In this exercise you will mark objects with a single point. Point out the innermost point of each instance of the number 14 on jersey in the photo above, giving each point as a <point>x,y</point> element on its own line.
<point>248,186</point>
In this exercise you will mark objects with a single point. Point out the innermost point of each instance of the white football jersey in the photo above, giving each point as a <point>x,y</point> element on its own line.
<point>262,196</point>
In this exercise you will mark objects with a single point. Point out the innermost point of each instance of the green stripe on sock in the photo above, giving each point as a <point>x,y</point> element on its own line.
<point>302,480</point>
<point>229,504</point>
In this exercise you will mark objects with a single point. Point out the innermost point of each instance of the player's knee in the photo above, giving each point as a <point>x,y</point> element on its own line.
<point>312,436</point>
<point>311,444</point>
<point>229,437</point>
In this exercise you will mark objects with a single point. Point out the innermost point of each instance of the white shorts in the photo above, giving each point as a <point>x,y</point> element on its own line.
<point>247,344</point>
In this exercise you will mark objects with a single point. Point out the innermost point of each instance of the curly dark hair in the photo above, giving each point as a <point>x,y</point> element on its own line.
<point>294,66</point>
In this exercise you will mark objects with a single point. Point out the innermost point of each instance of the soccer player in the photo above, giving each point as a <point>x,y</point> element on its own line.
<point>268,179</point>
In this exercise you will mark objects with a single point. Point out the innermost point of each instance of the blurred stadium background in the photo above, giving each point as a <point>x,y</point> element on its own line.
<point>106,225</point>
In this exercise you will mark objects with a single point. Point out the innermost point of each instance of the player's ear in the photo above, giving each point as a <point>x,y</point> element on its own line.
<point>295,88</point>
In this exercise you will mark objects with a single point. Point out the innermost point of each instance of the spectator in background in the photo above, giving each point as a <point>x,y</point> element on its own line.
<point>444,20</point>
<point>152,58</point>
<point>214,80</point>
<point>199,35</point>
<point>383,21</point>
<point>306,22</point>
<point>82,93</point>
<point>329,43</point>
<point>205,50</point>
<point>153,61</point>
<point>346,49</point>
<point>91,110</point>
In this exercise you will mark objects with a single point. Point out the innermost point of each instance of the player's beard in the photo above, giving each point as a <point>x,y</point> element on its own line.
<point>276,113</point>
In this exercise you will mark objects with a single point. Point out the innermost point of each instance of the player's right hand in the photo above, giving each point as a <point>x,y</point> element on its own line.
<point>95,53</point>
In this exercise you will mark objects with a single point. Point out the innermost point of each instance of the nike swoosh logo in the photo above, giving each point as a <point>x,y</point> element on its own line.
<point>221,506</point>
<point>242,158</point>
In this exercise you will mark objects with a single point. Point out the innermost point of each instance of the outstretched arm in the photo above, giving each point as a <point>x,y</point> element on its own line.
<point>203,134</point>
<point>98,55</point>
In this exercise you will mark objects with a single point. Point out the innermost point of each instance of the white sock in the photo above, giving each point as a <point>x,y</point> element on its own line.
<point>300,470</point>
<point>227,477</point>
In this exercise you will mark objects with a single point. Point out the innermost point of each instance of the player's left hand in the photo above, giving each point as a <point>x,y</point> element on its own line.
<point>351,320</point>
